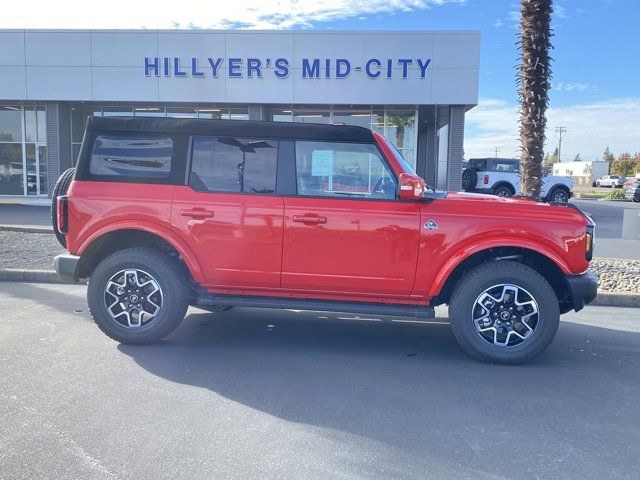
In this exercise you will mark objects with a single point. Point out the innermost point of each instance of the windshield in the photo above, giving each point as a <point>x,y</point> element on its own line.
<point>403,163</point>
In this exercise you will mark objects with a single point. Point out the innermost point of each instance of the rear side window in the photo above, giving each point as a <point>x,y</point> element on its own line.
<point>505,165</point>
<point>127,155</point>
<point>478,164</point>
<point>240,165</point>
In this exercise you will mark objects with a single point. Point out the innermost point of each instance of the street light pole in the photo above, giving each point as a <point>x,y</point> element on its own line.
<point>560,131</point>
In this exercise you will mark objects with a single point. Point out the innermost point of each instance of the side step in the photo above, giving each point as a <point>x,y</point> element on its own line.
<point>413,311</point>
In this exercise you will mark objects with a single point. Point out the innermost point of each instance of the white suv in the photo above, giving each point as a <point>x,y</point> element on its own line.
<point>501,176</point>
<point>613,181</point>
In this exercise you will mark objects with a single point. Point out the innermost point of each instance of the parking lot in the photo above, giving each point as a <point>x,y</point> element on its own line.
<point>282,394</point>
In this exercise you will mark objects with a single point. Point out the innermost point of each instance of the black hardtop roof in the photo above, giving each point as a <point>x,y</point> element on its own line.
<point>233,128</point>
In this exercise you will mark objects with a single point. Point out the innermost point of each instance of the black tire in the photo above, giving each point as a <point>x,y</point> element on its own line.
<point>171,278</point>
<point>636,199</point>
<point>61,188</point>
<point>559,195</point>
<point>503,191</point>
<point>469,179</point>
<point>481,278</point>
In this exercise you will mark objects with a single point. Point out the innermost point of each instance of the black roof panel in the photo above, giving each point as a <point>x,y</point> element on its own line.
<point>233,128</point>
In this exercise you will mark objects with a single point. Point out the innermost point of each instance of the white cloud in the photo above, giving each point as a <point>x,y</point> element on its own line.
<point>572,87</point>
<point>590,128</point>
<point>264,14</point>
<point>498,23</point>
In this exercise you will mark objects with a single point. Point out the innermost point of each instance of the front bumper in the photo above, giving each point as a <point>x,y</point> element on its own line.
<point>67,267</point>
<point>583,289</point>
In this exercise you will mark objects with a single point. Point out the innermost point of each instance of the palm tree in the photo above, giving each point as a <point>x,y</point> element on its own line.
<point>533,77</point>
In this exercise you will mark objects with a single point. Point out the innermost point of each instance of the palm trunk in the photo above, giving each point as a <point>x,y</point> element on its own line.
<point>534,75</point>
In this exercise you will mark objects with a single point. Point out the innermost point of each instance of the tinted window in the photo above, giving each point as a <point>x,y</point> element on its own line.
<point>234,165</point>
<point>343,170</point>
<point>147,156</point>
<point>478,164</point>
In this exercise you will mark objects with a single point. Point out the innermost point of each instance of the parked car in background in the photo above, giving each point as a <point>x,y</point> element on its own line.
<point>611,181</point>
<point>501,177</point>
<point>632,192</point>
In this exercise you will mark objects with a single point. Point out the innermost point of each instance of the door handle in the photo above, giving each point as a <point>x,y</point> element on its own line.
<point>309,220</point>
<point>196,213</point>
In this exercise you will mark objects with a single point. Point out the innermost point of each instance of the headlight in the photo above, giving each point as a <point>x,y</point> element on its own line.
<point>589,242</point>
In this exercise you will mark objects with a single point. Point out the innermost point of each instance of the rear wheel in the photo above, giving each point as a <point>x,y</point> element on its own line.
<point>61,188</point>
<point>502,191</point>
<point>138,295</point>
<point>504,312</point>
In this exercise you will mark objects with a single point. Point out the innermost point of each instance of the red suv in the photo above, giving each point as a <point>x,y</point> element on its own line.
<point>161,214</point>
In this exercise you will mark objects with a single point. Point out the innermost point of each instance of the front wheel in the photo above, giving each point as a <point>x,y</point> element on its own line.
<point>559,195</point>
<point>504,312</point>
<point>138,295</point>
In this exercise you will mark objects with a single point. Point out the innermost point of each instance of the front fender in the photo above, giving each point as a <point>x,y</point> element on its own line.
<point>470,249</point>
<point>156,229</point>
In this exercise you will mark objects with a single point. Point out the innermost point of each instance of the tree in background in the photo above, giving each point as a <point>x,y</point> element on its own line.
<point>626,165</point>
<point>549,160</point>
<point>607,156</point>
<point>533,78</point>
<point>577,158</point>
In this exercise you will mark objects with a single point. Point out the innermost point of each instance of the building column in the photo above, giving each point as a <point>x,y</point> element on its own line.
<point>456,147</point>
<point>426,158</point>
<point>59,150</point>
<point>256,112</point>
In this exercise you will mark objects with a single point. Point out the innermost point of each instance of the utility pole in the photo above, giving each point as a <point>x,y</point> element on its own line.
<point>560,131</point>
<point>496,150</point>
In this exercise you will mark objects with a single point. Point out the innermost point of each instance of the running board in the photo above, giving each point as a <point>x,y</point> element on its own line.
<point>413,311</point>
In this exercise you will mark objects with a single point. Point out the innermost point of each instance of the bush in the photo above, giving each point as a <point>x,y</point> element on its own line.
<point>615,194</point>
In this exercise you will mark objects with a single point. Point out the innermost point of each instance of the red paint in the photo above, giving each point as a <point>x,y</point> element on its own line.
<point>331,248</point>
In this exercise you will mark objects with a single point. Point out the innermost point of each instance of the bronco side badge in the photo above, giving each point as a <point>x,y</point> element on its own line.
<point>431,225</point>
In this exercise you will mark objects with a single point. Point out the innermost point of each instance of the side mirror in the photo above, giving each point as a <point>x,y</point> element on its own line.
<point>410,186</point>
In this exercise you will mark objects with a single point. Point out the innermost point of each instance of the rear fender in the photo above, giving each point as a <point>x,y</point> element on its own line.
<point>149,227</point>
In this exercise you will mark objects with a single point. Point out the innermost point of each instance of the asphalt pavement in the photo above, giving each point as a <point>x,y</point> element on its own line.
<point>610,218</point>
<point>262,394</point>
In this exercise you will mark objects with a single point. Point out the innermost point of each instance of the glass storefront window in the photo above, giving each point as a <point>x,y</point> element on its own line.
<point>360,118</point>
<point>312,116</point>
<point>117,111</point>
<point>237,114</point>
<point>209,112</point>
<point>42,160</point>
<point>11,170</point>
<point>10,124</point>
<point>35,124</point>
<point>284,115</point>
<point>149,111</point>
<point>401,128</point>
<point>182,112</point>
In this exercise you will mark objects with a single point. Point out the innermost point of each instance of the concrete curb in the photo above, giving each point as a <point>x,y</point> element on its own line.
<point>26,229</point>
<point>631,300</point>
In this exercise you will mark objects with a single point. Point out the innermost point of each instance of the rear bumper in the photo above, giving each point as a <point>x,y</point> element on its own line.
<point>67,267</point>
<point>583,289</point>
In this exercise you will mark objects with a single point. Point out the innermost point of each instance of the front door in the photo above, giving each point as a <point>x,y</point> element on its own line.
<point>229,213</point>
<point>345,232</point>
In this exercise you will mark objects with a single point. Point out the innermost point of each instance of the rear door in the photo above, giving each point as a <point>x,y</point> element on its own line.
<point>230,213</point>
<point>345,231</point>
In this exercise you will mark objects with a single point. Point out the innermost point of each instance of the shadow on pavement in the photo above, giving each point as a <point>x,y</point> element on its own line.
<point>411,387</point>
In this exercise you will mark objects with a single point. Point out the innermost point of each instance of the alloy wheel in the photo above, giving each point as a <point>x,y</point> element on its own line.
<point>505,315</point>
<point>133,298</point>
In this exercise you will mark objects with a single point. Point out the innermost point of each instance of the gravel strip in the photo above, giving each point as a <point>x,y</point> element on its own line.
<point>32,251</point>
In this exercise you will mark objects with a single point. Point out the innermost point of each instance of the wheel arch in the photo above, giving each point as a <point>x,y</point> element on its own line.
<point>504,183</point>
<point>542,260</point>
<point>561,186</point>
<point>113,238</point>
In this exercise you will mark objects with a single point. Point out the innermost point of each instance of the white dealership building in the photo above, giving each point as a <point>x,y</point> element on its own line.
<point>412,86</point>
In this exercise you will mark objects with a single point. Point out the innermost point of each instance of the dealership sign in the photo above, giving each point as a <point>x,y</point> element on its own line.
<point>281,67</point>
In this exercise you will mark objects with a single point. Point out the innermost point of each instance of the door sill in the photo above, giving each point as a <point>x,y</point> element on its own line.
<point>398,310</point>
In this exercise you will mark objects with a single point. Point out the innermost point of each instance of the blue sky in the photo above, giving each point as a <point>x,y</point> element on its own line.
<point>596,92</point>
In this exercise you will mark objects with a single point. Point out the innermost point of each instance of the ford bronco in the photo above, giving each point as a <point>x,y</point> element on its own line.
<point>160,214</point>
